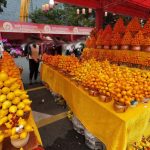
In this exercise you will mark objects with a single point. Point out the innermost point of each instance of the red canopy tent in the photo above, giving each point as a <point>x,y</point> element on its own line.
<point>139,8</point>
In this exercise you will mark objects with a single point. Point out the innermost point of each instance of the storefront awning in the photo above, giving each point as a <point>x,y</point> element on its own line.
<point>18,27</point>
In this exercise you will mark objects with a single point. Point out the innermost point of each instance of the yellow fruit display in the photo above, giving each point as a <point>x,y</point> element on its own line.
<point>14,87</point>
<point>24,96</point>
<point>5,90</point>
<point>8,125</point>
<point>28,128</point>
<point>27,108</point>
<point>10,96</point>
<point>9,82</point>
<point>3,120</point>
<point>27,101</point>
<point>1,84</point>
<point>1,137</point>
<point>119,82</point>
<point>16,100</point>
<point>6,104</point>
<point>13,131</point>
<point>20,113</point>
<point>21,105</point>
<point>3,76</point>
<point>13,109</point>
<point>3,112</point>
<point>23,135</point>
<point>2,98</point>
<point>18,92</point>
<point>15,137</point>
<point>10,116</point>
<point>22,122</point>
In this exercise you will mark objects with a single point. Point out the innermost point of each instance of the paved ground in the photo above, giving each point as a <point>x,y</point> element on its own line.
<point>55,128</point>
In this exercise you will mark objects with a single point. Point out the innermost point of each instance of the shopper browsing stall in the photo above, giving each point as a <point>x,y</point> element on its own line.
<point>34,55</point>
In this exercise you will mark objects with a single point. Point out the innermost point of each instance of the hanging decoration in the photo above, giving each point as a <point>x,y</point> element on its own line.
<point>83,11</point>
<point>90,10</point>
<point>78,11</point>
<point>47,7</point>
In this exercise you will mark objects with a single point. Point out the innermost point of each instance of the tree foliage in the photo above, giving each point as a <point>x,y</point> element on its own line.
<point>63,16</point>
<point>2,4</point>
<point>67,16</point>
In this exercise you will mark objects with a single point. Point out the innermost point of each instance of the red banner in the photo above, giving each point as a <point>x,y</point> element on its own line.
<point>6,26</point>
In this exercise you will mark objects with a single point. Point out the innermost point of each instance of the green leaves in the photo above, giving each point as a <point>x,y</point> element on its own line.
<point>64,15</point>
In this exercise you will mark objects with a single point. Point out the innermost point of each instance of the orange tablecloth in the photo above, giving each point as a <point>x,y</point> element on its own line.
<point>114,129</point>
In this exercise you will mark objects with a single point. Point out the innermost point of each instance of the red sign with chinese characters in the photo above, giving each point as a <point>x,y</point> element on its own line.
<point>18,27</point>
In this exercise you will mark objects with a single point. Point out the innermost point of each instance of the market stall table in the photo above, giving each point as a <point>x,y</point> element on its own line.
<point>116,130</point>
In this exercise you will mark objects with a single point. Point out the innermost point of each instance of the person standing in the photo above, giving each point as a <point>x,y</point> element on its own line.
<point>34,55</point>
<point>1,50</point>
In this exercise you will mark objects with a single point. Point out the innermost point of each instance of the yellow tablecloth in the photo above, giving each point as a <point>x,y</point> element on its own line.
<point>114,129</point>
<point>36,132</point>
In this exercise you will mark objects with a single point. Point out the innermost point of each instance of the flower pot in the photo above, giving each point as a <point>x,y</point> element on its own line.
<point>119,107</point>
<point>104,98</point>
<point>136,48</point>
<point>20,142</point>
<point>106,47</point>
<point>115,47</point>
<point>125,47</point>
<point>147,48</point>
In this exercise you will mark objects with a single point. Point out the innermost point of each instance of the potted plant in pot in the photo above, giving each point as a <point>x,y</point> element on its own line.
<point>99,39</point>
<point>147,44</point>
<point>119,27</point>
<point>115,41</point>
<point>137,41</point>
<point>133,26</point>
<point>126,41</point>
<point>107,33</point>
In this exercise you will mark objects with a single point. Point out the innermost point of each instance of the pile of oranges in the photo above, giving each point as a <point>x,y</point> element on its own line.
<point>123,84</point>
<point>62,63</point>
<point>51,60</point>
<point>8,65</point>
